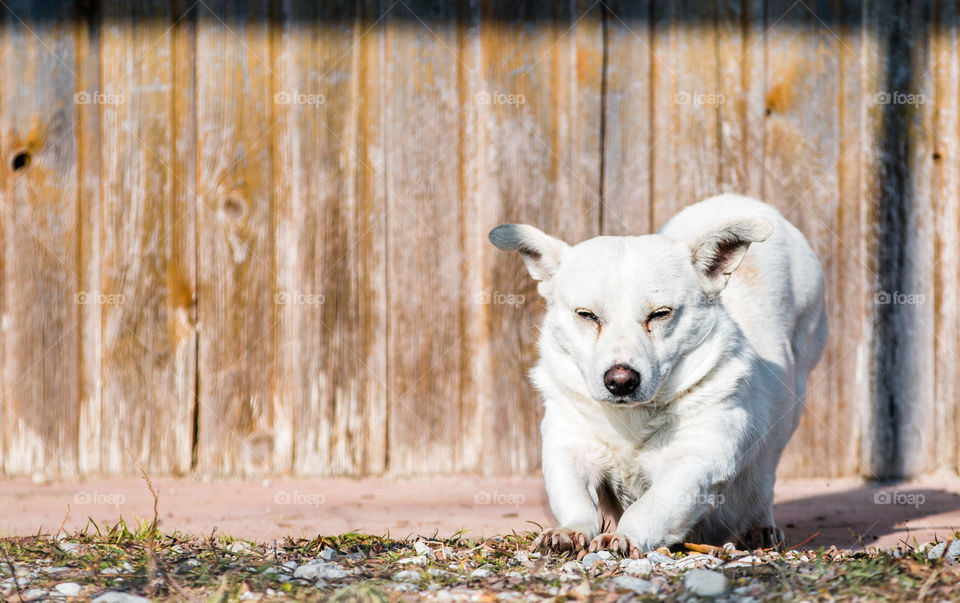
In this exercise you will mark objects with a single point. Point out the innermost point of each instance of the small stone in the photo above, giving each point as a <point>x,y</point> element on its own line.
<point>118,597</point>
<point>329,554</point>
<point>69,589</point>
<point>572,566</point>
<point>481,572</point>
<point>68,547</point>
<point>631,583</point>
<point>636,567</point>
<point>418,560</point>
<point>290,565</point>
<point>659,558</point>
<point>953,552</point>
<point>705,583</point>
<point>34,594</point>
<point>320,570</point>
<point>407,576</point>
<point>937,551</point>
<point>605,555</point>
<point>421,548</point>
<point>238,546</point>
<point>110,571</point>
<point>590,559</point>
<point>356,556</point>
<point>698,560</point>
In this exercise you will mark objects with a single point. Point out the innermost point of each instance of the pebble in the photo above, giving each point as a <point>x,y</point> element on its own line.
<point>574,566</point>
<point>291,565</point>
<point>356,556</point>
<point>637,585</point>
<point>954,551</point>
<point>329,554</point>
<point>407,576</point>
<point>68,547</point>
<point>605,555</point>
<point>418,560</point>
<point>659,558</point>
<point>34,594</point>
<point>238,546</point>
<point>636,567</point>
<point>118,597</point>
<point>70,589</point>
<point>320,570</point>
<point>937,551</point>
<point>590,559</point>
<point>481,572</point>
<point>421,548</point>
<point>705,583</point>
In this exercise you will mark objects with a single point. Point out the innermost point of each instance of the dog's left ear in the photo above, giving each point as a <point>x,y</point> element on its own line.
<point>541,252</point>
<point>718,251</point>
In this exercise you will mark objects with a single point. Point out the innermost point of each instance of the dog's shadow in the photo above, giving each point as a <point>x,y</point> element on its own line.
<point>873,514</point>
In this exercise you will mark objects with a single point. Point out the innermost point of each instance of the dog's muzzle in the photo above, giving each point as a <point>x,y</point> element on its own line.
<point>621,380</point>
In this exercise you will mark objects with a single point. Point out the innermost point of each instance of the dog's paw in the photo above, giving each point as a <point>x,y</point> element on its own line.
<point>618,543</point>
<point>559,540</point>
<point>762,537</point>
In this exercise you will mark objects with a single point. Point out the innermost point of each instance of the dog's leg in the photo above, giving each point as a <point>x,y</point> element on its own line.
<point>573,500</point>
<point>762,537</point>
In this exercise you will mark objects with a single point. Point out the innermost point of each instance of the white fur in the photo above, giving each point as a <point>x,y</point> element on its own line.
<point>693,452</point>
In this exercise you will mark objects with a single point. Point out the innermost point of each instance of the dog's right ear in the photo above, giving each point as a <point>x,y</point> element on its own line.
<point>541,253</point>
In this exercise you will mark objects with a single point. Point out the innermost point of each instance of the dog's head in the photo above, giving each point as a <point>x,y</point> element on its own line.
<point>626,310</point>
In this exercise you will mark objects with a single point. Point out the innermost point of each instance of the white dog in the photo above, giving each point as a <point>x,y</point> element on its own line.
<point>673,368</point>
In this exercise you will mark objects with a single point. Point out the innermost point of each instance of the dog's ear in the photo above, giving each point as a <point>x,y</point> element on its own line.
<point>718,251</point>
<point>541,253</point>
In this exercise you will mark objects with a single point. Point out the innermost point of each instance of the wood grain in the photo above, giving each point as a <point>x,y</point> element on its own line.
<point>329,176</point>
<point>41,295</point>
<point>148,362</point>
<point>241,430</point>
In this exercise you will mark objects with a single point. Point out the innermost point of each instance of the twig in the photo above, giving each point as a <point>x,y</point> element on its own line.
<point>804,542</point>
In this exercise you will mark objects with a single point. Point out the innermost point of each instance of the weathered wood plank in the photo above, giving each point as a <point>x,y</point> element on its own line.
<point>687,96</point>
<point>331,363</point>
<point>424,330</point>
<point>740,64</point>
<point>40,283</point>
<point>945,69</point>
<point>237,415</point>
<point>148,256</point>
<point>537,104</point>
<point>803,151</point>
<point>628,146</point>
<point>89,227</point>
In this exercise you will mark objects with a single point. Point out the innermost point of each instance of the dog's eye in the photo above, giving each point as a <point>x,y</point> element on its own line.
<point>587,315</point>
<point>660,314</point>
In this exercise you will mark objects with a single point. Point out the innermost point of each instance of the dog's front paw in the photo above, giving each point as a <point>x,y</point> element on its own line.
<point>617,543</point>
<point>762,537</point>
<point>559,540</point>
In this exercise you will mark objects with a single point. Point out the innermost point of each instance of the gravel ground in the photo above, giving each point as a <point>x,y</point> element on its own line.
<point>119,564</point>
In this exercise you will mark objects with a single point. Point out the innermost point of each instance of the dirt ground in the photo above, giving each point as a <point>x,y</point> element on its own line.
<point>847,513</point>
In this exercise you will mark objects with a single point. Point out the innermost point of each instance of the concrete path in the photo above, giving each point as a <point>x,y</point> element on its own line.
<point>847,513</point>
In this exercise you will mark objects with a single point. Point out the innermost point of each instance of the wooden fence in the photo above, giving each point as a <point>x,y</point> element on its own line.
<point>250,238</point>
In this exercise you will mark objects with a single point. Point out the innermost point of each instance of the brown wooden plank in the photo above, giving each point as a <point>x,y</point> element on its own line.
<point>148,256</point>
<point>89,228</point>
<point>331,362</point>
<point>804,149</point>
<point>424,330</point>
<point>38,138</point>
<point>537,105</point>
<point>946,73</point>
<point>237,407</point>
<point>740,64</point>
<point>628,148</point>
<point>944,68</point>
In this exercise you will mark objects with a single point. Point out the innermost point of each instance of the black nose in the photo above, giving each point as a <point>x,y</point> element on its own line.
<point>621,380</point>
